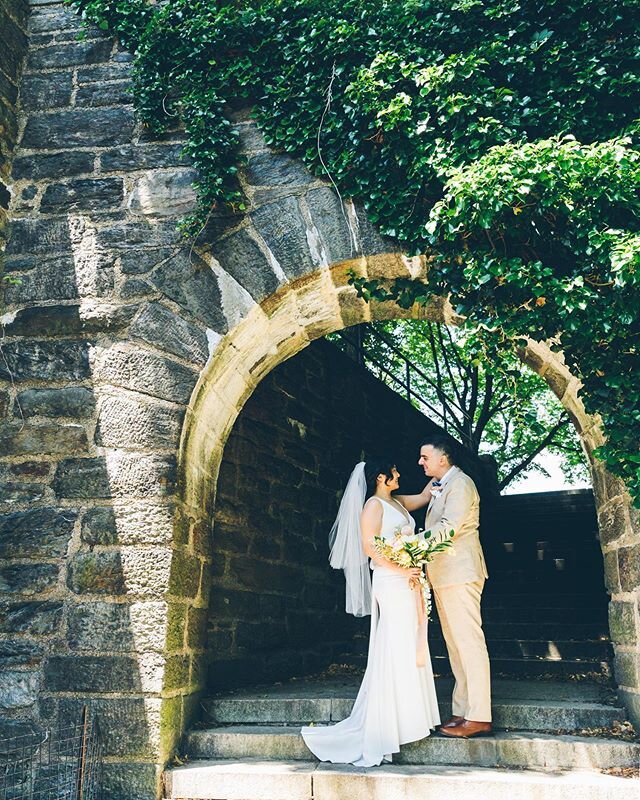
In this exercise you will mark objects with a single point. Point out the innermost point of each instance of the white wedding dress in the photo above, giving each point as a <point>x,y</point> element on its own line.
<point>397,700</point>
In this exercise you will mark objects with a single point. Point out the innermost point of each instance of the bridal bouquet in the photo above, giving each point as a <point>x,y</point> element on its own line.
<point>409,549</point>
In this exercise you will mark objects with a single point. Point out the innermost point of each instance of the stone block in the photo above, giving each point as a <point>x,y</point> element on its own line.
<point>147,570</point>
<point>82,478</point>
<point>117,474</point>
<point>14,45</point>
<point>58,56</point>
<point>176,625</point>
<point>38,237</point>
<point>108,94</point>
<point>97,572</point>
<point>185,574</point>
<point>74,401</point>
<point>276,169</point>
<point>126,422</point>
<point>18,689</point>
<point>135,287</point>
<point>99,127</point>
<point>92,674</point>
<point>167,331</point>
<point>202,539</point>
<point>83,194</point>
<point>176,673</point>
<point>264,576</point>
<point>131,157</point>
<point>50,19</point>
<point>133,234</point>
<point>53,165</point>
<point>194,287</point>
<point>128,726</point>
<point>145,372</point>
<point>240,256</point>
<point>611,574</point>
<point>281,226</point>
<point>130,781</point>
<point>100,73</point>
<point>22,653</point>
<point>371,242</point>
<point>330,219</point>
<point>37,532</point>
<point>50,279</point>
<point>128,523</point>
<point>21,492</point>
<point>139,262</point>
<point>197,627</point>
<point>45,361</point>
<point>613,520</point>
<point>46,91</point>
<point>22,439</point>
<point>34,618</point>
<point>622,626</point>
<point>48,321</point>
<point>99,526</point>
<point>629,567</point>
<point>626,669</point>
<point>28,578</point>
<point>30,469</point>
<point>164,193</point>
<point>119,627</point>
<point>251,138</point>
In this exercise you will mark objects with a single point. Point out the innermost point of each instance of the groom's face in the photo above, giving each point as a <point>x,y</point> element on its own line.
<point>434,462</point>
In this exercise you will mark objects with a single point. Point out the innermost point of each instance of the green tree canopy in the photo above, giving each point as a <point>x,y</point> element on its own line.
<point>496,136</point>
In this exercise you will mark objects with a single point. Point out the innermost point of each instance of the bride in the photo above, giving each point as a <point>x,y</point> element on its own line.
<point>397,700</point>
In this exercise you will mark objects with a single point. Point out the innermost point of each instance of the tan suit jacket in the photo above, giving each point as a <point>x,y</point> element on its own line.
<point>457,508</point>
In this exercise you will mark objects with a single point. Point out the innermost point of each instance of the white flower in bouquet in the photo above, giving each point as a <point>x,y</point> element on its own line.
<point>414,549</point>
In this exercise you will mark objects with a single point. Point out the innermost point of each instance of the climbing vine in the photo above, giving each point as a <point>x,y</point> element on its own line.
<point>499,137</point>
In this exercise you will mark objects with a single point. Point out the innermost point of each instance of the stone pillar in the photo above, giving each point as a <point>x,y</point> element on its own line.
<point>13,24</point>
<point>619,525</point>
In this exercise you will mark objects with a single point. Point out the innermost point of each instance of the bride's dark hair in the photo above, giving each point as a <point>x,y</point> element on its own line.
<point>374,467</point>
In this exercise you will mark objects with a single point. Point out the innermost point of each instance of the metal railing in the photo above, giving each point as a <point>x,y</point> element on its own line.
<point>53,764</point>
<point>407,377</point>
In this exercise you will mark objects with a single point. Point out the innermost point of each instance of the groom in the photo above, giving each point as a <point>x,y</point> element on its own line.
<point>457,580</point>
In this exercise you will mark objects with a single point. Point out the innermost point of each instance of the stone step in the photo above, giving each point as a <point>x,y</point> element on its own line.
<point>533,614</point>
<point>537,649</point>
<point>517,714</point>
<point>540,600</point>
<point>532,667</point>
<point>504,749</point>
<point>511,667</point>
<point>277,780</point>
<point>541,631</point>
<point>516,649</point>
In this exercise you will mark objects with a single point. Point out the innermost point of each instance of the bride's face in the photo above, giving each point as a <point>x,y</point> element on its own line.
<point>393,483</point>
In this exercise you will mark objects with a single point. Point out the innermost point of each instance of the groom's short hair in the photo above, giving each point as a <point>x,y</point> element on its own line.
<point>445,444</point>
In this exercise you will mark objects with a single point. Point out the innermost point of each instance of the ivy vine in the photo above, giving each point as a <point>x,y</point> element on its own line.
<point>499,136</point>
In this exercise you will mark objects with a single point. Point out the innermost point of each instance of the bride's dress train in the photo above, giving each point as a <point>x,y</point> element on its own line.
<point>397,700</point>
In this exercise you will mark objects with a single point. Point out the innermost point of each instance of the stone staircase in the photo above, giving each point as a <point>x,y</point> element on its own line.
<point>558,727</point>
<point>562,734</point>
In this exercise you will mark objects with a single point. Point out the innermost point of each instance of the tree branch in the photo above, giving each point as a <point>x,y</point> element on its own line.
<point>544,442</point>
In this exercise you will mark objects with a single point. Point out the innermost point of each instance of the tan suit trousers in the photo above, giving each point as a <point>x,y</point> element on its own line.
<point>459,612</point>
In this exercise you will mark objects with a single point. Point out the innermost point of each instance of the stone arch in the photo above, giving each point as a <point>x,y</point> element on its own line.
<point>324,302</point>
<point>105,334</point>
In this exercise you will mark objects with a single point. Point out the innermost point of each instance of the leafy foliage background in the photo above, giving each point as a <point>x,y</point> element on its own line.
<point>499,137</point>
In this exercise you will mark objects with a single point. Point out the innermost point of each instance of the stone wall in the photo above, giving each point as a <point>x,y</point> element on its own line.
<point>127,354</point>
<point>277,609</point>
<point>13,23</point>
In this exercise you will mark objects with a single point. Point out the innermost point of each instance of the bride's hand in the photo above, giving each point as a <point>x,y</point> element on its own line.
<point>415,573</point>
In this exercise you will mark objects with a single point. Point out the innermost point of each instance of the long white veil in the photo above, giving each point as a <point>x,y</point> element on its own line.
<point>345,541</point>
